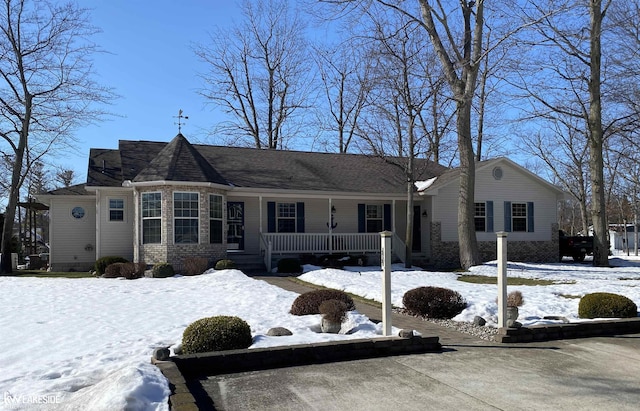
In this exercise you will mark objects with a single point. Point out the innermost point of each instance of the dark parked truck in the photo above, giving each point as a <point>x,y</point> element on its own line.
<point>575,246</point>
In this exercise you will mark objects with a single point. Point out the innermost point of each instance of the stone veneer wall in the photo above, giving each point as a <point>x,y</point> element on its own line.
<point>174,254</point>
<point>446,254</point>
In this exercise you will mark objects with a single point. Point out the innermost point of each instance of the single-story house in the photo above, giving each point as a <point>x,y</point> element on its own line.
<point>162,202</point>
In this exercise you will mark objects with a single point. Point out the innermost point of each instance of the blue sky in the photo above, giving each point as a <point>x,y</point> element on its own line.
<point>151,65</point>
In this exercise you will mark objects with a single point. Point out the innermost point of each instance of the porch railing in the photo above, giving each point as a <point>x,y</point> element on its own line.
<point>321,242</point>
<point>315,243</point>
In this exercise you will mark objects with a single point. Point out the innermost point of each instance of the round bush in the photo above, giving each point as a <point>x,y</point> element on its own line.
<point>309,303</point>
<point>225,265</point>
<point>289,266</point>
<point>163,270</point>
<point>333,310</point>
<point>216,334</point>
<point>103,262</point>
<point>606,305</point>
<point>434,302</point>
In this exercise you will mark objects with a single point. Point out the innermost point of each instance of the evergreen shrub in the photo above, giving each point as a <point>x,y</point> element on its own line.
<point>163,270</point>
<point>217,333</point>
<point>606,305</point>
<point>434,302</point>
<point>289,266</point>
<point>225,265</point>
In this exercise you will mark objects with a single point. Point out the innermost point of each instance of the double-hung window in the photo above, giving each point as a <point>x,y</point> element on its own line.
<point>286,217</point>
<point>519,217</point>
<point>116,209</point>
<point>480,216</point>
<point>151,218</point>
<point>374,218</point>
<point>185,217</point>
<point>215,219</point>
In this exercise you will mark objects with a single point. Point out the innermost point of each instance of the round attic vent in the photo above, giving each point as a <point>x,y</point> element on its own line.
<point>497,173</point>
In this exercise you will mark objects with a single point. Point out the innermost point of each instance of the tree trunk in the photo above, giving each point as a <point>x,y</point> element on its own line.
<point>469,254</point>
<point>596,162</point>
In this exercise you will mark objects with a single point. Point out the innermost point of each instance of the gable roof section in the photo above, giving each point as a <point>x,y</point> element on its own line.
<point>453,175</point>
<point>179,161</point>
<point>251,168</point>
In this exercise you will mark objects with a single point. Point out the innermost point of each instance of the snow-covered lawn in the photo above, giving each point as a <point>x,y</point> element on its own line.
<point>562,299</point>
<point>86,344</point>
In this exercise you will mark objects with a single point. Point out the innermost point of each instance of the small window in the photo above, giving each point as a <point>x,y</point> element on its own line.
<point>116,209</point>
<point>481,217</point>
<point>215,219</point>
<point>374,218</point>
<point>519,217</point>
<point>186,211</point>
<point>151,218</point>
<point>286,217</point>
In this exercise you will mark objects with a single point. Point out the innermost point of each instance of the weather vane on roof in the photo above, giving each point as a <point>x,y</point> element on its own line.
<point>180,123</point>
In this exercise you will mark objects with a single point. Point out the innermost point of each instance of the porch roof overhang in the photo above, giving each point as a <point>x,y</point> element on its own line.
<point>266,192</point>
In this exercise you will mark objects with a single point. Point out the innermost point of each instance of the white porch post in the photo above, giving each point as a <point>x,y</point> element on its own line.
<point>260,207</point>
<point>386,281</point>
<point>502,279</point>
<point>330,224</point>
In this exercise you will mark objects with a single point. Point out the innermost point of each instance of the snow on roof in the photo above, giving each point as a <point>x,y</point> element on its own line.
<point>423,185</point>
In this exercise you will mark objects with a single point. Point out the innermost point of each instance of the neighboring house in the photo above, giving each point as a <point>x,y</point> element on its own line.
<point>157,202</point>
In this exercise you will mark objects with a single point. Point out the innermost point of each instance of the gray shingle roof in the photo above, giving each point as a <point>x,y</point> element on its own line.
<point>255,168</point>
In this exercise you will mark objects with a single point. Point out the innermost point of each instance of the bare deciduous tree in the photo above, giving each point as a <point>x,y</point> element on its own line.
<point>46,87</point>
<point>258,72</point>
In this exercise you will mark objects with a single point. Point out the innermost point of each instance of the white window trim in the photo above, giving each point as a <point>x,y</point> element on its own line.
<point>173,197</point>
<point>221,219</point>
<point>124,210</point>
<point>514,217</point>
<point>484,217</point>
<point>294,218</point>
<point>143,218</point>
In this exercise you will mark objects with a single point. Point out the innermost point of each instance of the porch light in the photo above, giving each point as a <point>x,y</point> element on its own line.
<point>333,209</point>
<point>424,213</point>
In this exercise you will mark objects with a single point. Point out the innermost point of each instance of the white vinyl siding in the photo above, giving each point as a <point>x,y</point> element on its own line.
<point>115,237</point>
<point>516,186</point>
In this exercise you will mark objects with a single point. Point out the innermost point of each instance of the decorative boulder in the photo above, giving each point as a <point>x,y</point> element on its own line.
<point>278,332</point>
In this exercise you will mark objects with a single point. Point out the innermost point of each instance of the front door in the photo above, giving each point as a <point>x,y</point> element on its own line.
<point>235,225</point>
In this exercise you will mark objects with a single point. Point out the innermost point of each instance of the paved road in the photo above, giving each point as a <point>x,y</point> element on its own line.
<point>470,374</point>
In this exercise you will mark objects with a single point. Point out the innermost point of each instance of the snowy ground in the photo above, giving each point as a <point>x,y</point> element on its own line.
<point>81,344</point>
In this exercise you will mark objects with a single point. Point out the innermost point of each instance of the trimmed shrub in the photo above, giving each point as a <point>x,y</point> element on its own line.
<point>225,265</point>
<point>163,270</point>
<point>606,305</point>
<point>289,266</point>
<point>216,334</point>
<point>103,262</point>
<point>333,310</point>
<point>309,302</point>
<point>434,302</point>
<point>195,265</point>
<point>129,271</point>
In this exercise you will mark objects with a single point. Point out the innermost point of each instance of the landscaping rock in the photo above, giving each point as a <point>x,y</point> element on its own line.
<point>278,332</point>
<point>161,354</point>
<point>405,334</point>
<point>148,273</point>
<point>479,321</point>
